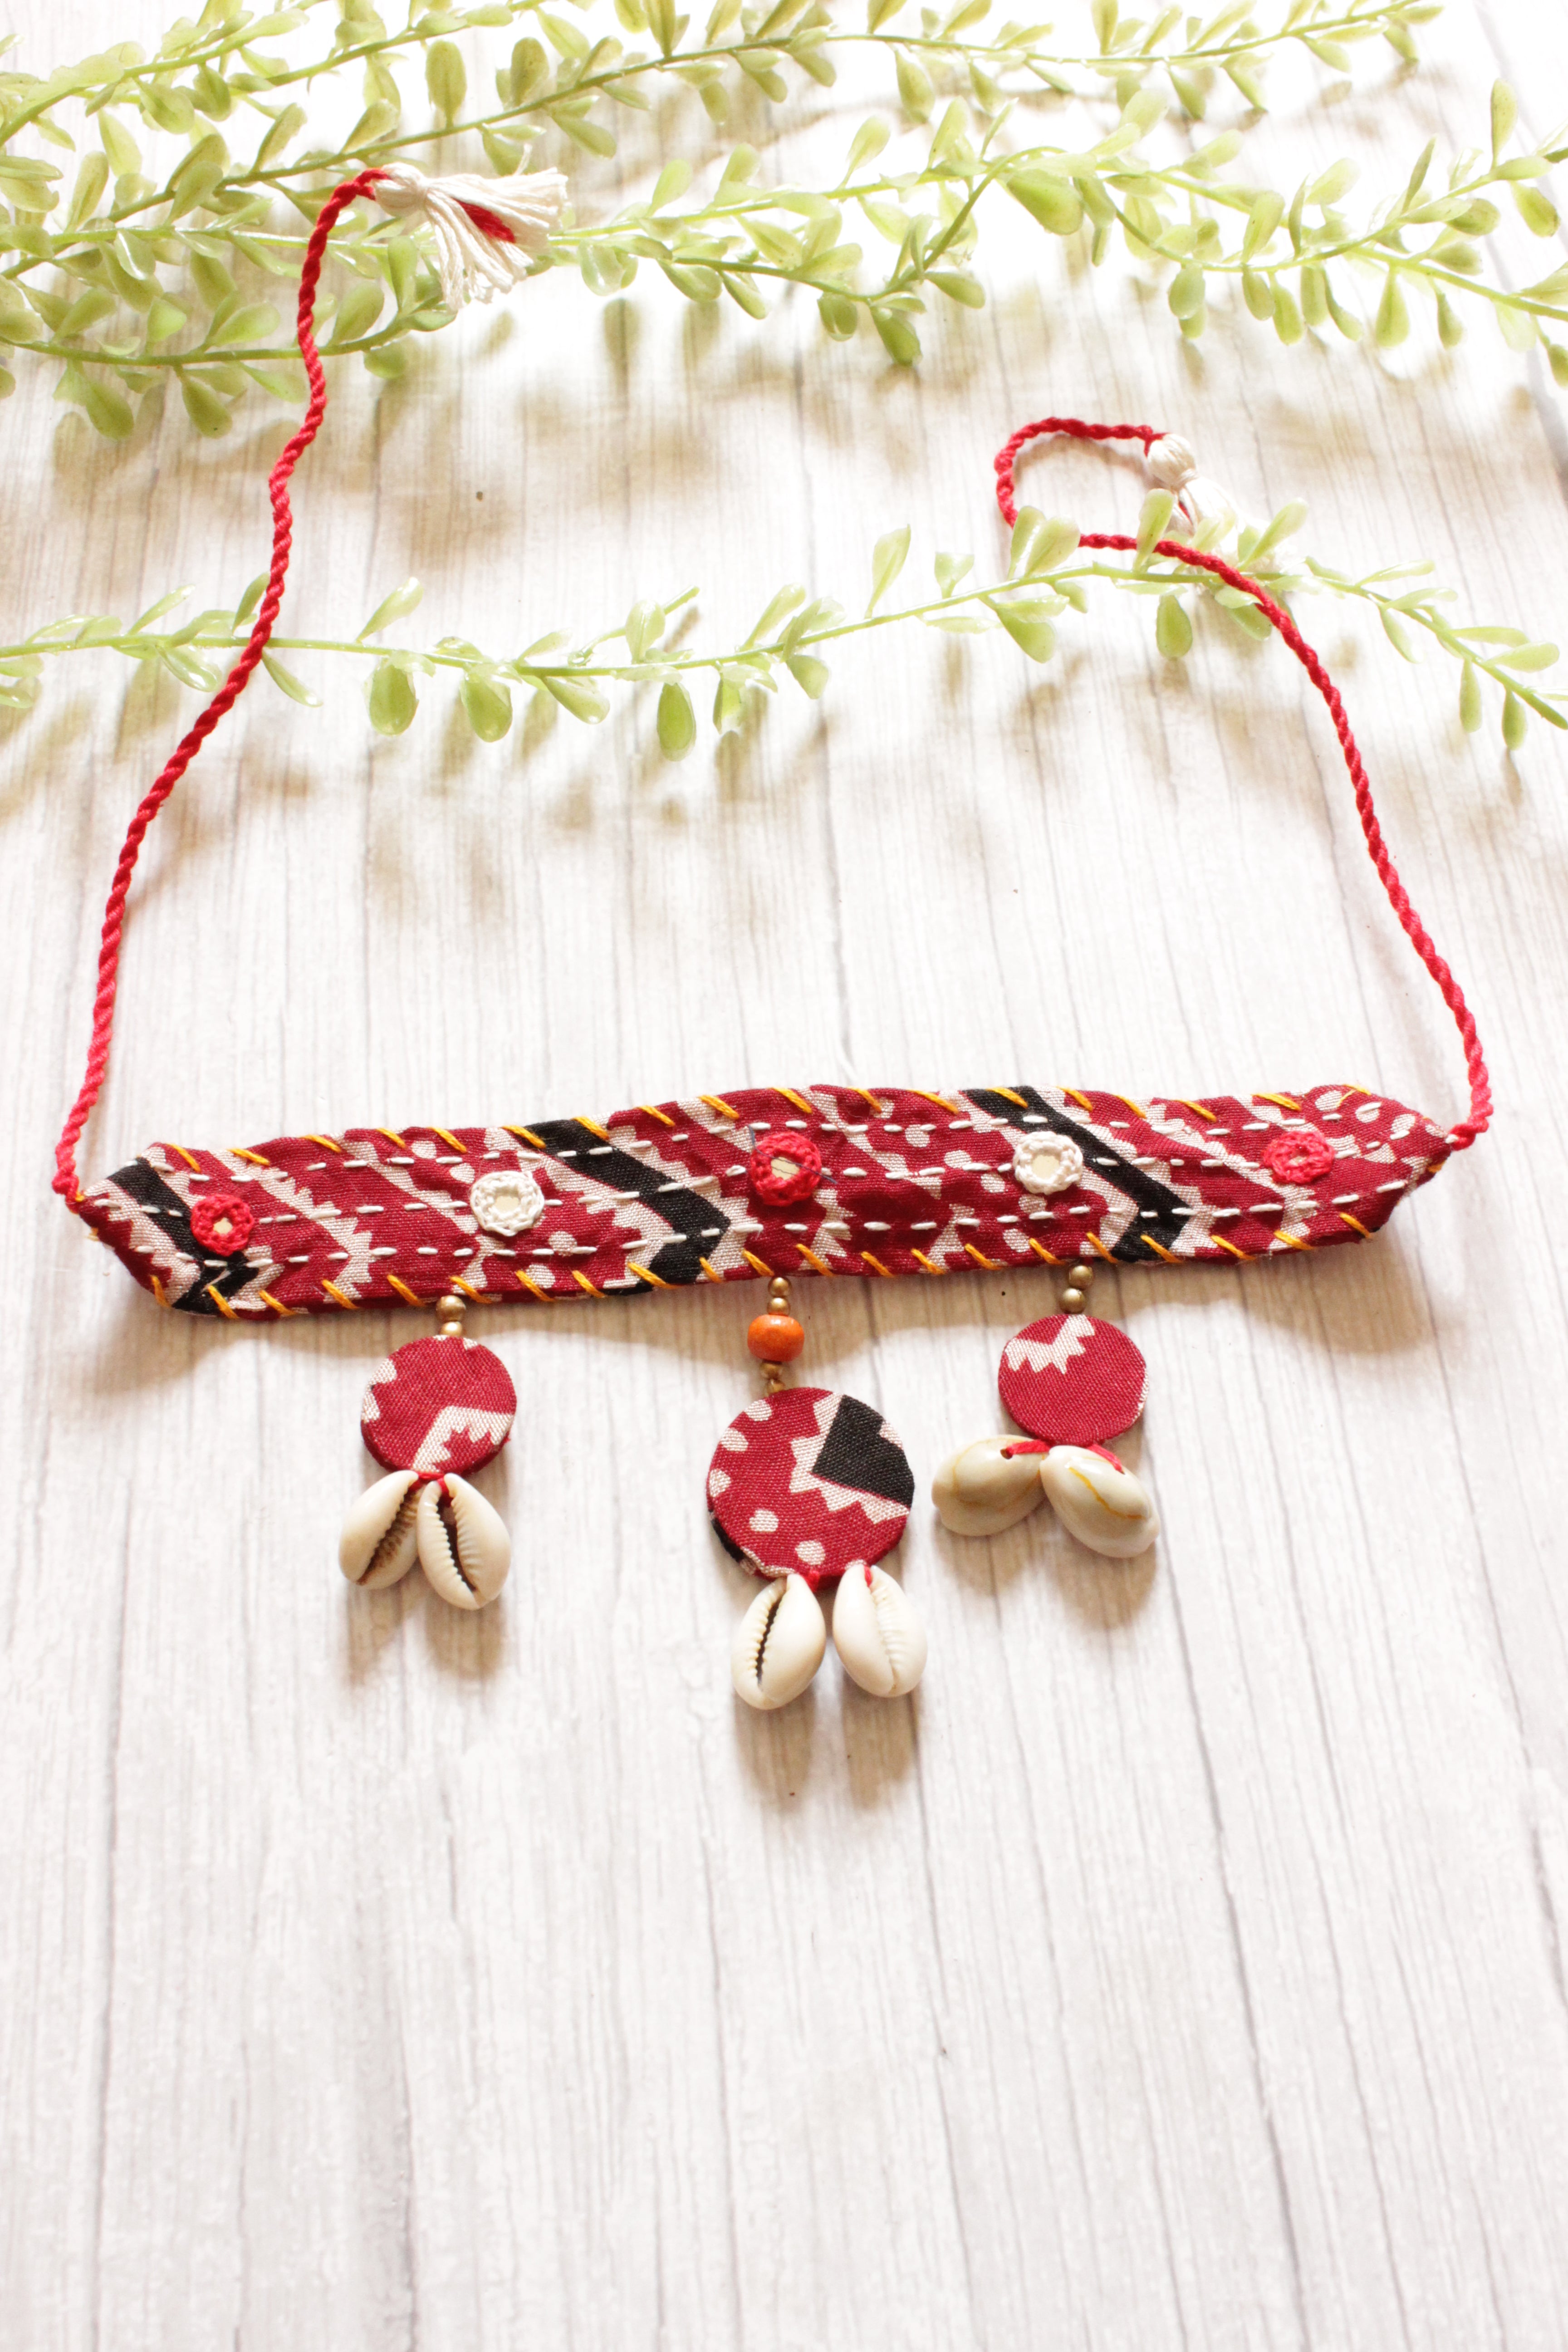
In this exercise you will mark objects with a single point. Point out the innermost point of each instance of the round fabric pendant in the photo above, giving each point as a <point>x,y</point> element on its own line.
<point>1072,1380</point>
<point>809,1480</point>
<point>437,1405</point>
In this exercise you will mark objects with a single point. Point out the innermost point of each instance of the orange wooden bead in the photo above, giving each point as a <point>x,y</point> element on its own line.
<point>775,1339</point>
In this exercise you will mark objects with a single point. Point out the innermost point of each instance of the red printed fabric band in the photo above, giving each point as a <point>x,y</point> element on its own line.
<point>667,1194</point>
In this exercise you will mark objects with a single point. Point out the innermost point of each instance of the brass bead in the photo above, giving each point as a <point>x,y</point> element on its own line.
<point>1073,1300</point>
<point>449,1304</point>
<point>449,1316</point>
<point>1082,1275</point>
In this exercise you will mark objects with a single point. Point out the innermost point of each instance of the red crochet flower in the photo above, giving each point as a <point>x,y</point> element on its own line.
<point>220,1221</point>
<point>1298,1155</point>
<point>785,1167</point>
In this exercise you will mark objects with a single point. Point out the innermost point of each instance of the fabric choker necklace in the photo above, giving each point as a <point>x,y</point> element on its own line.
<point>807,1488</point>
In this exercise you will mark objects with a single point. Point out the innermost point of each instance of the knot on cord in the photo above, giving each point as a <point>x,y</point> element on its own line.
<point>486,231</point>
<point>1171,465</point>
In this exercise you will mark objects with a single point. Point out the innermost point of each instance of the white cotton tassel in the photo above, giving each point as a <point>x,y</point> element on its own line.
<point>473,264</point>
<point>1172,465</point>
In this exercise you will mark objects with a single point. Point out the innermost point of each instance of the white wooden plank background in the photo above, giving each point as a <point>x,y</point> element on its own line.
<point>1186,1965</point>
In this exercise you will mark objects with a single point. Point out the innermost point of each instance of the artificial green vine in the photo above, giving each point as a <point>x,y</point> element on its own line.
<point>139,267</point>
<point>1047,578</point>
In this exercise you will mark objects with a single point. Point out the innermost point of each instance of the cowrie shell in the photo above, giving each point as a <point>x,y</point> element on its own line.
<point>877,1633</point>
<point>1098,1501</point>
<point>464,1547</point>
<point>980,1490</point>
<point>778,1643</point>
<point>378,1545</point>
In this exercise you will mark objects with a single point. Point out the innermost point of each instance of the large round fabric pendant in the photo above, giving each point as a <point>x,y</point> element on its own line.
<point>439,1406</point>
<point>811,1483</point>
<point>1072,1380</point>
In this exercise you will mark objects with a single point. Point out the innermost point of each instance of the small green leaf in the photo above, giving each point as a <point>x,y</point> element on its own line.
<point>643,628</point>
<point>839,315</point>
<point>1336,181</point>
<point>900,339</point>
<point>776,611</point>
<point>285,127</point>
<point>1257,293</point>
<point>915,91</point>
<point>212,282</point>
<point>887,562</point>
<point>1392,323</point>
<point>1538,213</point>
<point>672,181</point>
<point>1054,203</point>
<point>1398,636</point>
<point>447,79</point>
<point>950,570</point>
<point>166,318</point>
<point>287,683</point>
<point>1515,725</point>
<point>1470,698</point>
<point>729,702</point>
<point>1186,295</point>
<point>1450,325</point>
<point>1173,629</point>
<point>742,291</point>
<point>123,153</point>
<point>1528,657</point>
<point>1036,638</point>
<point>357,313</point>
<point>677,719</point>
<point>1268,212</point>
<point>1153,516</point>
<point>1039,543</point>
<point>487,705</point>
<point>960,287</point>
<point>204,409</point>
<point>582,696</point>
<point>1419,169</point>
<point>1504,114</point>
<point>391,608</point>
<point>248,602</point>
<point>528,73</point>
<point>1287,314</point>
<point>392,699</point>
<point>870,139</point>
<point>1517,328</point>
<point>808,673</point>
<point>175,597</point>
<point>87,310</point>
<point>251,322</point>
<point>1284,525</point>
<point>92,180</point>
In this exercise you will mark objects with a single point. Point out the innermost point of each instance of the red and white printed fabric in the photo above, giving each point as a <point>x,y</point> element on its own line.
<point>1072,1380</point>
<point>663,1194</point>
<point>810,1482</point>
<point>440,1404</point>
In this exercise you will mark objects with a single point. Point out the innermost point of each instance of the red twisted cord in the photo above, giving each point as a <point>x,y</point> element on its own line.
<point>1461,1137</point>
<point>66,1181</point>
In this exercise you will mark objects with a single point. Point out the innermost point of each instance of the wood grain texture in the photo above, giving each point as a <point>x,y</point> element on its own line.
<point>1185,1967</point>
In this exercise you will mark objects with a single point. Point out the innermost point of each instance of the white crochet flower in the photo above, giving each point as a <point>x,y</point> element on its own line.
<point>485,230</point>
